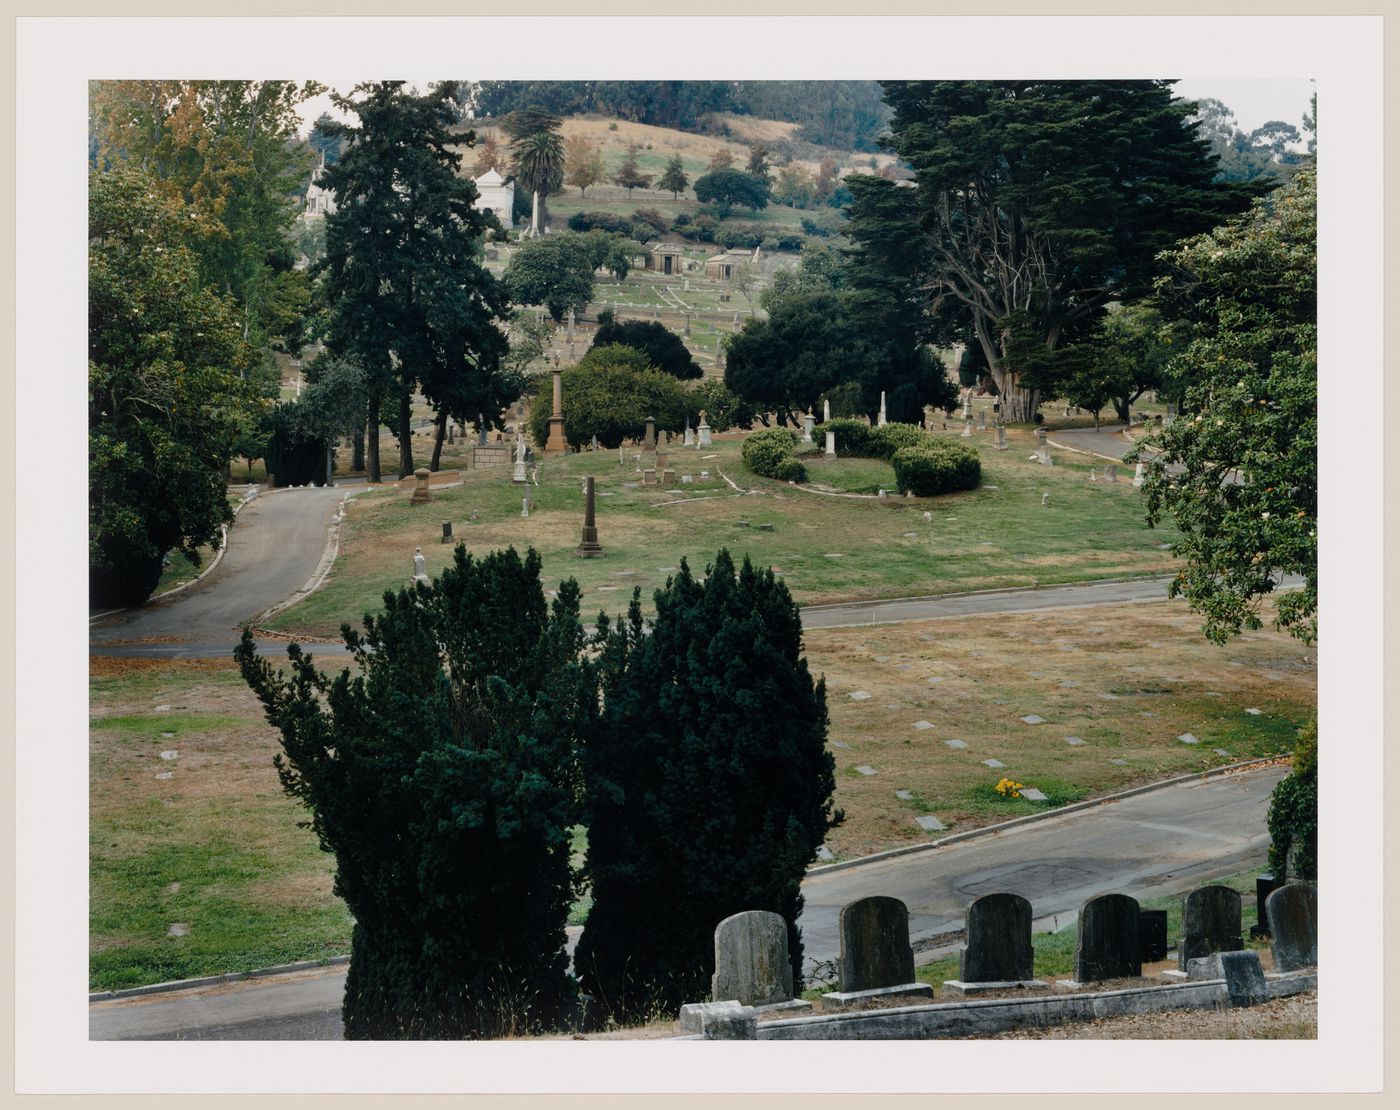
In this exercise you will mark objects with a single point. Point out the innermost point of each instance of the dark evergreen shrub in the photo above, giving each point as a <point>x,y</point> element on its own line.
<point>664,348</point>
<point>936,467</point>
<point>790,470</point>
<point>886,439</point>
<point>442,777</point>
<point>1293,813</point>
<point>709,784</point>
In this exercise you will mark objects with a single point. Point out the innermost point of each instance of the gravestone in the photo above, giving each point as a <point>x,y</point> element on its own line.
<point>420,489</point>
<point>981,420</point>
<point>826,410</point>
<point>1292,911</point>
<point>1210,922</point>
<point>589,547</point>
<point>1139,475</point>
<point>1242,972</point>
<point>420,566</point>
<point>751,959</point>
<point>519,477</point>
<point>1108,946</point>
<point>1264,885</point>
<point>998,948</point>
<point>1000,444</point>
<point>880,420</point>
<point>524,507</point>
<point>649,436</point>
<point>830,452</point>
<point>807,422</point>
<point>1110,474</point>
<point>1152,935</point>
<point>702,432</point>
<point>875,949</point>
<point>689,440</point>
<point>967,428</point>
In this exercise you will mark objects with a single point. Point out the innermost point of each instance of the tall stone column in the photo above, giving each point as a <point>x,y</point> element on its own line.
<point>588,547</point>
<point>555,440</point>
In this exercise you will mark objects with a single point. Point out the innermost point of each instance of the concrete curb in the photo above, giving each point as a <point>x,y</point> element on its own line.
<point>215,980</point>
<point>1030,818</point>
<point>979,1018</point>
<point>872,603</point>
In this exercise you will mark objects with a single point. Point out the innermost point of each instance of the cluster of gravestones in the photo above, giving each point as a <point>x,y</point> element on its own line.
<point>753,975</point>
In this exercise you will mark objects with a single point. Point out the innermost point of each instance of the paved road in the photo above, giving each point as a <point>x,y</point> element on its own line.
<point>273,549</point>
<point>1160,842</point>
<point>1107,441</point>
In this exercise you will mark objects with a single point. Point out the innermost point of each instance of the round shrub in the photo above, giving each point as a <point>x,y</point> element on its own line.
<point>853,440</point>
<point>765,452</point>
<point>791,470</point>
<point>936,467</point>
<point>886,439</point>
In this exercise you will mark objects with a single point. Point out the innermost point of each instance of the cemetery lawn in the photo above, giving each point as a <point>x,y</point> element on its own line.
<point>1127,680</point>
<point>215,847</point>
<point>826,548</point>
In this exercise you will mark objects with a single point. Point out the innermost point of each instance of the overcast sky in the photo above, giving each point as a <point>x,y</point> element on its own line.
<point>1254,101</point>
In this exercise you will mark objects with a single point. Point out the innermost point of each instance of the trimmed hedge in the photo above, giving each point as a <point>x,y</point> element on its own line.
<point>769,453</point>
<point>936,467</point>
<point>852,437</point>
<point>855,439</point>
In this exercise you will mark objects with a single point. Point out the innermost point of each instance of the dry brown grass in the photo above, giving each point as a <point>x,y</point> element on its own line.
<point>993,670</point>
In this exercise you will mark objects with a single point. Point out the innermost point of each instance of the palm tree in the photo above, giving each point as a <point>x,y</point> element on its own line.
<point>539,167</point>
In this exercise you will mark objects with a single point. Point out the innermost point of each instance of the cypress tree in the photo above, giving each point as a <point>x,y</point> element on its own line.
<point>442,777</point>
<point>708,784</point>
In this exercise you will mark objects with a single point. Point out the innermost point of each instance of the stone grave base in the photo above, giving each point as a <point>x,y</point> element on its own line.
<point>855,1000</point>
<point>791,1008</point>
<point>1076,985</point>
<point>957,986</point>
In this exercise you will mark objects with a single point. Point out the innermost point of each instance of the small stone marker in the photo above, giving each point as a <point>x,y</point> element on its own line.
<point>167,735</point>
<point>998,948</point>
<point>958,745</point>
<point>1210,922</point>
<point>1032,719</point>
<point>1108,946</point>
<point>1109,697</point>
<point>1000,444</point>
<point>1031,794</point>
<point>751,959</point>
<point>1242,972</point>
<point>824,853</point>
<point>994,764</point>
<point>1074,741</point>
<point>904,795</point>
<point>1110,474</point>
<point>178,929</point>
<point>588,547</point>
<point>1292,915</point>
<point>841,744</point>
<point>1187,738</point>
<point>168,756</point>
<point>930,823</point>
<point>524,507</point>
<point>420,488</point>
<point>934,680</point>
<point>1255,712</point>
<point>162,709</point>
<point>921,725</point>
<point>859,695</point>
<point>166,775</point>
<point>1119,762</point>
<point>1220,751</point>
<point>1152,932</point>
<point>865,769</point>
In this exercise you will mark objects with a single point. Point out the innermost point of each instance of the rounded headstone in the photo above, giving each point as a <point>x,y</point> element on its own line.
<point>998,946</point>
<point>875,948</point>
<point>1108,946</point>
<point>1210,922</point>
<point>751,959</point>
<point>1292,912</point>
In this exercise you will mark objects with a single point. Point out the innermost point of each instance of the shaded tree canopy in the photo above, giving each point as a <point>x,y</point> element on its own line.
<point>1237,471</point>
<point>663,347</point>
<point>1040,202</point>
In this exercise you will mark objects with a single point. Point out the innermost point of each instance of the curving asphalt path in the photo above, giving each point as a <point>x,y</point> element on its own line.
<point>274,548</point>
<point>1161,842</point>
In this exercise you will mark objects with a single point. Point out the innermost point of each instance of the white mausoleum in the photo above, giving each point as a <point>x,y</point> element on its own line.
<point>496,195</point>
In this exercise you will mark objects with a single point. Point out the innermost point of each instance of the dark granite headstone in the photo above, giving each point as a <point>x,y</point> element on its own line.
<point>1210,923</point>
<point>1108,945</point>
<point>1264,885</point>
<point>998,940</point>
<point>1242,972</point>
<point>1152,935</point>
<point>875,948</point>
<point>1293,920</point>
